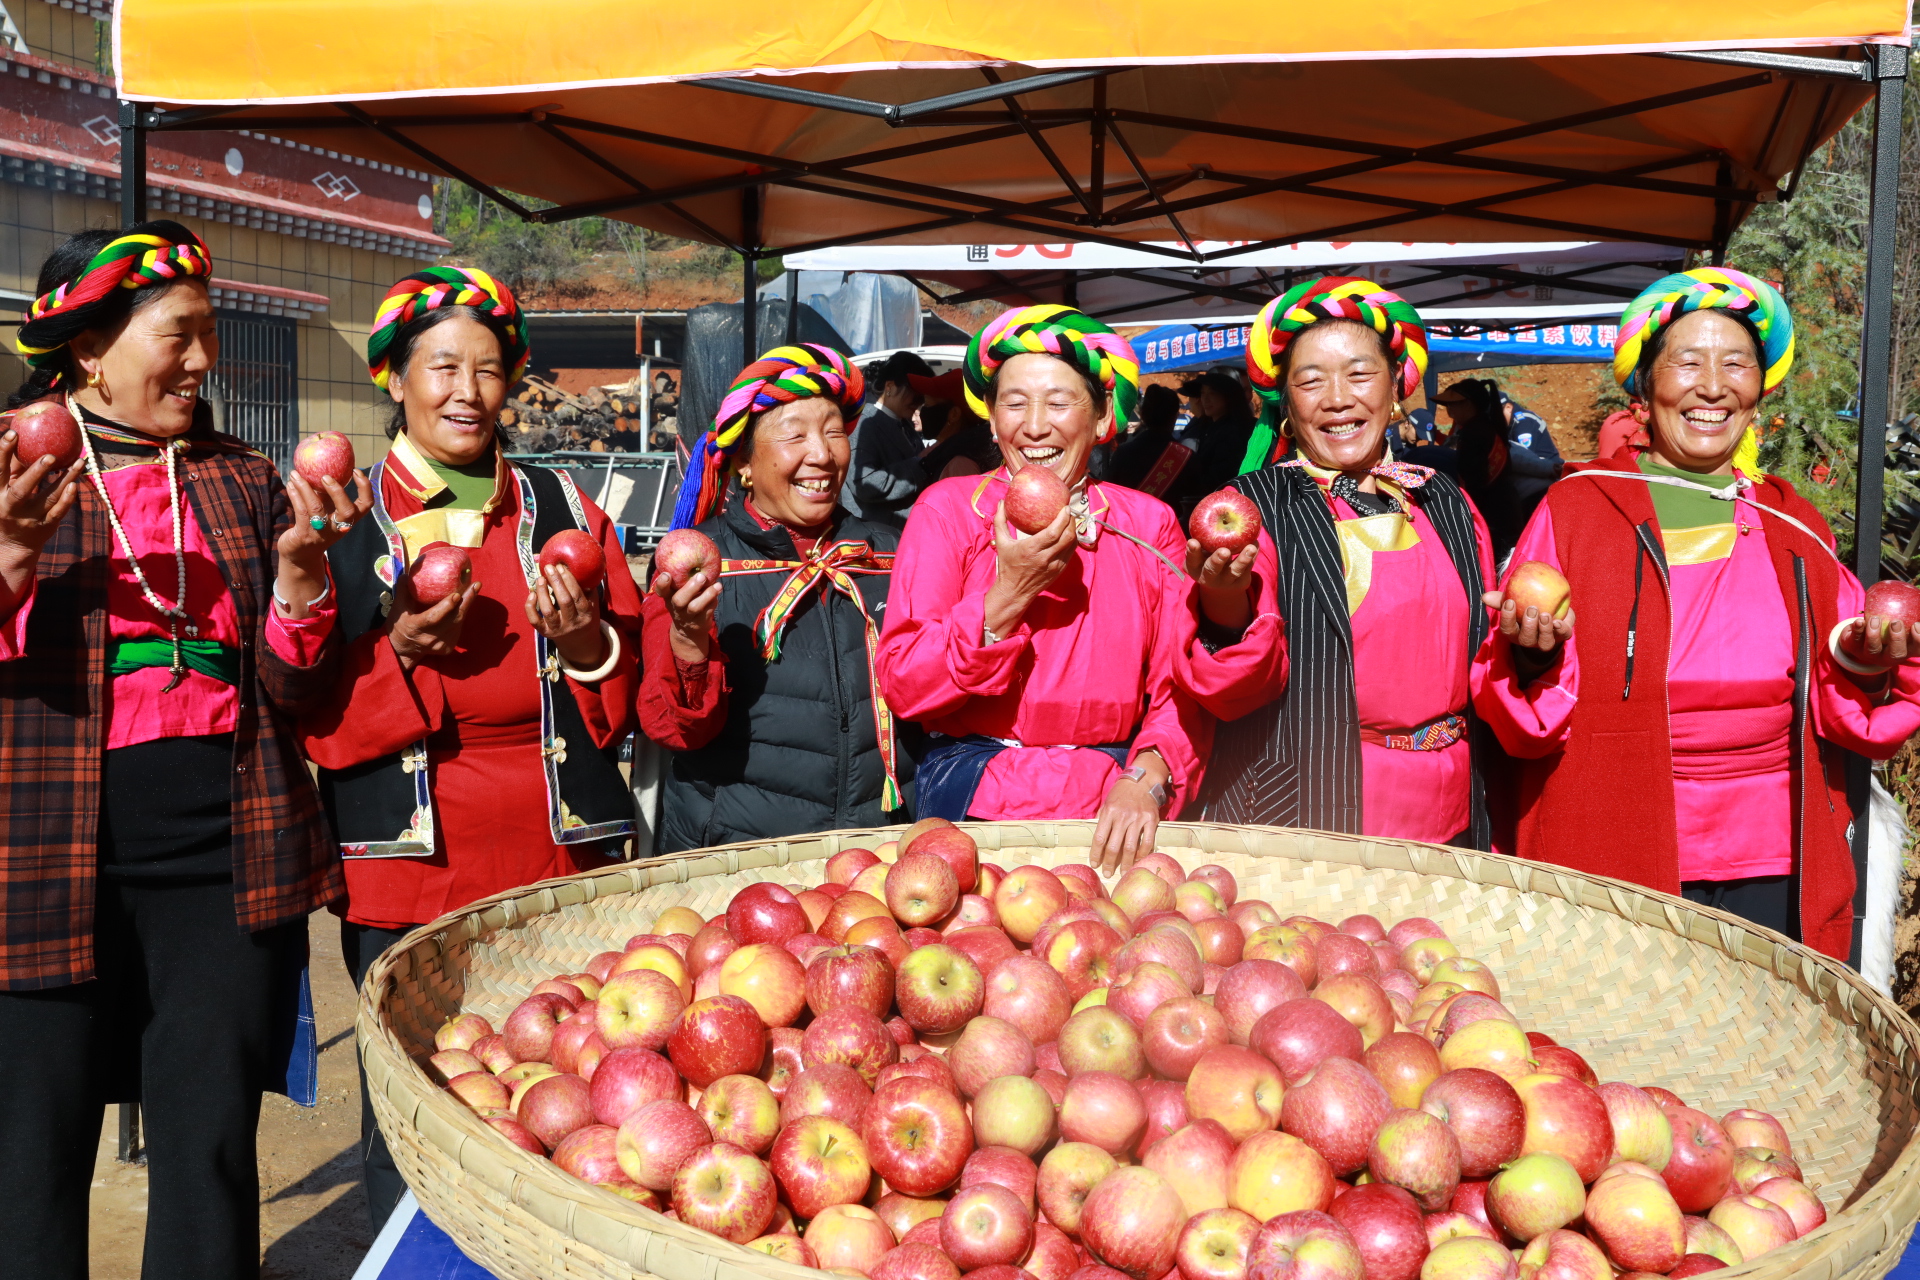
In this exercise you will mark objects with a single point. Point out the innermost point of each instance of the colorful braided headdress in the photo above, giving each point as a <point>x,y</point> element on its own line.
<point>1335,298</point>
<point>1051,329</point>
<point>1306,304</point>
<point>1705,289</point>
<point>781,376</point>
<point>159,253</point>
<point>437,287</point>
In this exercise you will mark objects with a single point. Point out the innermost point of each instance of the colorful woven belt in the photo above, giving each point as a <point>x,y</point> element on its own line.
<point>1434,735</point>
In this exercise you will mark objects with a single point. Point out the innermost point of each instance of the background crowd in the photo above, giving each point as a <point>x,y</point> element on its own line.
<point>892,628</point>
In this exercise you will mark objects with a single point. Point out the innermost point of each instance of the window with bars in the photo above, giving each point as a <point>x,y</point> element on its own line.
<point>255,387</point>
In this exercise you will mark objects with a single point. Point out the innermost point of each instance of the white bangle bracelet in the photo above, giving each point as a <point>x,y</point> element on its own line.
<point>1859,669</point>
<point>315,603</point>
<point>605,669</point>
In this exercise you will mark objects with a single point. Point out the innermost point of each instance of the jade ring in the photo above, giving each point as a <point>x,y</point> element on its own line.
<point>317,524</point>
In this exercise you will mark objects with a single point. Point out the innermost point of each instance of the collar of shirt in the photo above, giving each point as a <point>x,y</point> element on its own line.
<point>802,543</point>
<point>413,472</point>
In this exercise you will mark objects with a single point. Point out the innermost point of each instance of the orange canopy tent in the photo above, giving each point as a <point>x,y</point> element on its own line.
<point>774,127</point>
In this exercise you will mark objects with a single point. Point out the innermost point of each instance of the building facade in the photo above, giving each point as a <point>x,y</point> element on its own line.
<point>304,241</point>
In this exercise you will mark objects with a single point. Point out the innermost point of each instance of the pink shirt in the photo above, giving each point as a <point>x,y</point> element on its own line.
<point>1729,696</point>
<point>1091,662</point>
<point>137,710</point>
<point>1411,666</point>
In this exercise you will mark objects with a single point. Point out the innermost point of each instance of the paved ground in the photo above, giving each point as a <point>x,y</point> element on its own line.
<point>313,1218</point>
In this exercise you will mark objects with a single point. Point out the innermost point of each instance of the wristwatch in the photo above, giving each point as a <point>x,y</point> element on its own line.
<point>1158,790</point>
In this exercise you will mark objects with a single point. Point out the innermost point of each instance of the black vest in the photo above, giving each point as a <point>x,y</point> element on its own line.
<point>384,808</point>
<point>799,751</point>
<point>1296,761</point>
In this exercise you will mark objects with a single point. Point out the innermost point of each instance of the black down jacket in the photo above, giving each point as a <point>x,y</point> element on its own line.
<point>799,752</point>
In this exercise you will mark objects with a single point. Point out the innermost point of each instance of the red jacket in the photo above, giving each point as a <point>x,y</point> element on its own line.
<point>1605,803</point>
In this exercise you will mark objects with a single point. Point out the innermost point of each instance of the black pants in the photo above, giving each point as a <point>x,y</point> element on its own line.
<point>1771,901</point>
<point>360,946</point>
<point>180,1017</point>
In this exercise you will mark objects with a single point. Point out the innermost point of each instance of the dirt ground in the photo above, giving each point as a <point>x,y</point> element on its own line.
<point>313,1216</point>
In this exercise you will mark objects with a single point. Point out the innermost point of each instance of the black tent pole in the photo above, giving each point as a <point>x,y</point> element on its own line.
<point>793,306</point>
<point>133,165</point>
<point>1876,352</point>
<point>750,276</point>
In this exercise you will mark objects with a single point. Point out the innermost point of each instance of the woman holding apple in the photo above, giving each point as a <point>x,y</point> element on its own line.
<point>470,745</point>
<point>1381,566</point>
<point>760,677</point>
<point>1721,663</point>
<point>164,612</point>
<point>1058,669</point>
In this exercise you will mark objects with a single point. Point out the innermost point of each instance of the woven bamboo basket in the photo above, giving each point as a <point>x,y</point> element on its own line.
<point>1649,988</point>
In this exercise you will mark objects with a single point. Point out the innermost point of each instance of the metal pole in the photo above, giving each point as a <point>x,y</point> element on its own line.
<point>1876,355</point>
<point>750,312</point>
<point>793,306</point>
<point>133,165</point>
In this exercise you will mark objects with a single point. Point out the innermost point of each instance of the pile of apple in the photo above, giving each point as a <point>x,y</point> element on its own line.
<point>928,1067</point>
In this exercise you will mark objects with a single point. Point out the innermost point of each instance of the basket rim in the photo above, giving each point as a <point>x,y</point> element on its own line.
<point>1893,1201</point>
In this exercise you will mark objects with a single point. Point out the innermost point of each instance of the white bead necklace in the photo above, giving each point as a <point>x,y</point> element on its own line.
<point>175,611</point>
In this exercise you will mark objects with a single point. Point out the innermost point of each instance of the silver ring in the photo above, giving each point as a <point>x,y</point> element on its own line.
<point>342,526</point>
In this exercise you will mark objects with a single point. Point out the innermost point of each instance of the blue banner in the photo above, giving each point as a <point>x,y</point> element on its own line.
<point>1173,347</point>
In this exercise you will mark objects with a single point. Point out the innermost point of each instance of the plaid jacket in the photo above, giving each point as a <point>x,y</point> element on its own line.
<point>52,731</point>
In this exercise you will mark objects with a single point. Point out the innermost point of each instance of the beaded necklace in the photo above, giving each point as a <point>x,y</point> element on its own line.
<point>175,612</point>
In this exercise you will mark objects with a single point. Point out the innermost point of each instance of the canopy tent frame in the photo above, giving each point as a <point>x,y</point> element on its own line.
<point>1121,190</point>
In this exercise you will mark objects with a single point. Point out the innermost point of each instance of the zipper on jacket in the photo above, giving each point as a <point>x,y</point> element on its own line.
<point>829,600</point>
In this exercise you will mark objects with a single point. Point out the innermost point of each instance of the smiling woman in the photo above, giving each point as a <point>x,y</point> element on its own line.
<point>761,682</point>
<point>1687,735</point>
<point>471,745</point>
<point>164,613</point>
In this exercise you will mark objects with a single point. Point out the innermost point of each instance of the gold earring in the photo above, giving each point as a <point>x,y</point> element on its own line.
<point>1286,428</point>
<point>93,378</point>
<point>1398,412</point>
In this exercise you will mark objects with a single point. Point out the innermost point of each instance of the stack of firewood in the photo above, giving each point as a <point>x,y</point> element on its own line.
<point>541,418</point>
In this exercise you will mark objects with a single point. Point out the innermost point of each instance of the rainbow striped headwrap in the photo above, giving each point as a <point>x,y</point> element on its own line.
<point>129,262</point>
<point>1335,298</point>
<point>1054,330</point>
<point>1705,289</point>
<point>781,376</point>
<point>437,287</point>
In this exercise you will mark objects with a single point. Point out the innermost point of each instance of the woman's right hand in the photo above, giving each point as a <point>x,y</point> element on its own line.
<point>1027,566</point>
<point>1537,636</point>
<point>417,633</point>
<point>35,498</point>
<point>691,607</point>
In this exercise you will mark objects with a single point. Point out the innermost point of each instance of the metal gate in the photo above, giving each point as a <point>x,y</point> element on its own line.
<point>255,387</point>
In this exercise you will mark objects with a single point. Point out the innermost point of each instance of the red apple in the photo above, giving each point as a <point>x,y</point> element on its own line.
<point>1298,1035</point>
<point>819,1162</point>
<point>638,1009</point>
<point>1567,1118</point>
<point>857,977</point>
<point>1638,1222</point>
<point>787,1248</point>
<point>493,1052</point>
<point>987,1049</point>
<point>1135,996</point>
<point>1225,521</point>
<point>1027,993</point>
<point>1236,1087</point>
<point>1484,1112</point>
<point>939,989</point>
<point>1752,1166</point>
<point>1054,1256</point>
<point>1215,1245</point>
<point>710,946</point>
<point>1336,1109</point>
<point>1138,896</point>
<point>921,888</point>
<point>718,1036</point>
<point>851,1037</point>
<point>573,1038</point>
<point>1274,1173</point>
<point>462,1031</point>
<point>1082,880</point>
<point>481,1091</point>
<point>1360,1000</point>
<point>1178,1033</point>
<point>530,1028</point>
<point>917,1135</point>
<point>985,1226</point>
<point>1194,1162</point>
<point>451,1063</point>
<point>513,1131</point>
<point>1416,1151</point>
<point>1536,1194</point>
<point>1132,1222</point>
<point>913,1262</point>
<point>1305,1244</point>
<point>1067,1175</point>
<point>685,552</point>
<point>725,1190</point>
<point>45,427</point>
<point>1757,1226</point>
<point>1744,1128</point>
<point>1469,1258</point>
<point>1082,952</point>
<point>1802,1206</point>
<point>953,846</point>
<point>1641,1131</point>
<point>1701,1169</point>
<point>832,1089</point>
<point>901,1213</point>
<point>782,1061</point>
<point>1249,989</point>
<point>1564,1255</point>
<point>1166,1104</point>
<point>928,1065</point>
<point>1026,898</point>
<point>628,1079</point>
<point>657,1138</point>
<point>1665,1097</point>
<point>1889,601</point>
<point>765,912</point>
<point>1177,946</point>
<point>1102,1109</point>
<point>1343,953</point>
<point>577,550</point>
<point>440,570</point>
<point>741,1110</point>
<point>588,1154</point>
<point>1035,498</point>
<point>1405,1064</point>
<point>1696,1264</point>
<point>1003,1167</point>
<point>1221,942</point>
<point>1387,1229</point>
<point>1451,1224</point>
<point>1539,585</point>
